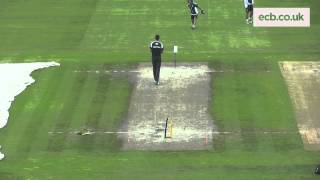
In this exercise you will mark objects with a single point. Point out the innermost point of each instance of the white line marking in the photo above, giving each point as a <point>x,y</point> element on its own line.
<point>213,132</point>
<point>134,71</point>
<point>123,71</point>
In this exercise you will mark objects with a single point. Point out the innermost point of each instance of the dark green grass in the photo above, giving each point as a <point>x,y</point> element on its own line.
<point>252,103</point>
<point>248,99</point>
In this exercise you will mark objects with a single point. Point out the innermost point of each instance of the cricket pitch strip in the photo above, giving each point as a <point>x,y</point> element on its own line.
<point>303,81</point>
<point>177,109</point>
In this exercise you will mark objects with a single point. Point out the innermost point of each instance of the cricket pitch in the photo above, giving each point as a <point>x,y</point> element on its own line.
<point>183,97</point>
<point>303,81</point>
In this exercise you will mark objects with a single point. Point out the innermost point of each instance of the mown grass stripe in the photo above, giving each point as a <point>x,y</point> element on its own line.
<point>36,119</point>
<point>259,108</point>
<point>248,140</point>
<point>56,143</point>
<point>219,142</point>
<point>231,113</point>
<point>80,113</point>
<point>55,106</point>
<point>95,111</point>
<point>114,111</point>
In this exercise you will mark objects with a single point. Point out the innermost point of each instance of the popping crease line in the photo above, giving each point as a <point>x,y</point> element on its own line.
<point>137,71</point>
<point>124,71</point>
<point>213,132</point>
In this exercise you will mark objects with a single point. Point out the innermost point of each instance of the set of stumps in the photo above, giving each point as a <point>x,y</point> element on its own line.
<point>168,129</point>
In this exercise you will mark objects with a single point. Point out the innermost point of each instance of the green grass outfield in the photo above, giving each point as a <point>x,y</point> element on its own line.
<point>93,35</point>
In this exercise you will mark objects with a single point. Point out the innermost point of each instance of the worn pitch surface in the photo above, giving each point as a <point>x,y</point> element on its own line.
<point>303,80</point>
<point>183,97</point>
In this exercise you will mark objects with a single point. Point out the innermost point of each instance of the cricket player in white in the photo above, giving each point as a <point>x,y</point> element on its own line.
<point>248,5</point>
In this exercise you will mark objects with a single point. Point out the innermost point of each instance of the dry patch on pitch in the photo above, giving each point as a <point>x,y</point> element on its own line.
<point>303,81</point>
<point>182,97</point>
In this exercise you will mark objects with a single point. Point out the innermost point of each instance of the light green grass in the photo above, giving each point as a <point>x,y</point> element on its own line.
<point>248,99</point>
<point>121,31</point>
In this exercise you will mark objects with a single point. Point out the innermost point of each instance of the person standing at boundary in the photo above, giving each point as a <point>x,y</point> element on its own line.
<point>248,5</point>
<point>156,48</point>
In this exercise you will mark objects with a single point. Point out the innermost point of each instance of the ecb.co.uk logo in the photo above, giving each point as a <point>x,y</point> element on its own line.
<point>281,17</point>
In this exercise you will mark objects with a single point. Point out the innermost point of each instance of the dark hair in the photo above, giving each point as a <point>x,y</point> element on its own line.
<point>157,37</point>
